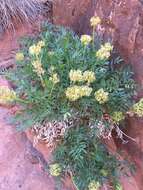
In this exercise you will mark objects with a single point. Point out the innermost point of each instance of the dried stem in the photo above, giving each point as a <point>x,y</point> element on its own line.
<point>13,12</point>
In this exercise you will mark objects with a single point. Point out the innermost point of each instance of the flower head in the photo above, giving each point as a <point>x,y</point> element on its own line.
<point>86,39</point>
<point>6,95</point>
<point>55,169</point>
<point>101,96</point>
<point>75,92</point>
<point>34,50</point>
<point>104,51</point>
<point>93,185</point>
<point>118,116</point>
<point>19,57</point>
<point>85,90</point>
<point>75,75</point>
<point>94,21</point>
<point>138,108</point>
<point>38,68</point>
<point>108,46</point>
<point>89,76</point>
<point>41,44</point>
<point>104,172</point>
<point>54,78</point>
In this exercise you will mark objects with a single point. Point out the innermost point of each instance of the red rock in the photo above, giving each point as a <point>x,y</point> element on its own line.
<point>16,170</point>
<point>21,165</point>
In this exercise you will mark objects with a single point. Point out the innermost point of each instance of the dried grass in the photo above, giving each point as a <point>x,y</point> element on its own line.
<point>13,12</point>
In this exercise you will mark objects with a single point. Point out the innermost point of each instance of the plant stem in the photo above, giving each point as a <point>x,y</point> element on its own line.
<point>42,82</point>
<point>52,89</point>
<point>74,183</point>
<point>22,101</point>
<point>93,36</point>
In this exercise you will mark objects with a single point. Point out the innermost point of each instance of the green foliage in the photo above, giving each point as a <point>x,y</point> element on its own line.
<point>118,186</point>
<point>85,157</point>
<point>63,52</point>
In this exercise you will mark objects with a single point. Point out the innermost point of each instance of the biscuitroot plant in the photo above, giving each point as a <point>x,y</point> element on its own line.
<point>72,96</point>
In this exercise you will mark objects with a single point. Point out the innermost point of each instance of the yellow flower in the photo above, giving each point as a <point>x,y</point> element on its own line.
<point>19,57</point>
<point>85,91</point>
<point>6,95</point>
<point>118,116</point>
<point>73,93</point>
<point>89,76</point>
<point>94,21</point>
<point>76,75</point>
<point>108,46</point>
<point>101,96</point>
<point>38,68</point>
<point>54,78</point>
<point>93,185</point>
<point>86,39</point>
<point>104,51</point>
<point>104,172</point>
<point>34,50</point>
<point>138,108</point>
<point>41,44</point>
<point>55,169</point>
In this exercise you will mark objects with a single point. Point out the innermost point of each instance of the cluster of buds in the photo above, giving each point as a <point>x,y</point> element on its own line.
<point>55,169</point>
<point>93,185</point>
<point>79,76</point>
<point>6,95</point>
<point>75,92</point>
<point>36,48</point>
<point>101,96</point>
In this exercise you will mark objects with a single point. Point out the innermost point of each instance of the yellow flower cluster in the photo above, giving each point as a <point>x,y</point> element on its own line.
<point>86,39</point>
<point>101,96</point>
<point>75,92</point>
<point>6,95</point>
<point>104,172</point>
<point>117,117</point>
<point>36,48</point>
<point>55,169</point>
<point>138,108</point>
<point>19,57</point>
<point>104,51</point>
<point>41,44</point>
<point>54,78</point>
<point>94,21</point>
<point>38,68</point>
<point>93,185</point>
<point>89,76</point>
<point>78,76</point>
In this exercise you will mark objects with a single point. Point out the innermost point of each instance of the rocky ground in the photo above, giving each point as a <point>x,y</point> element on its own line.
<point>21,165</point>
